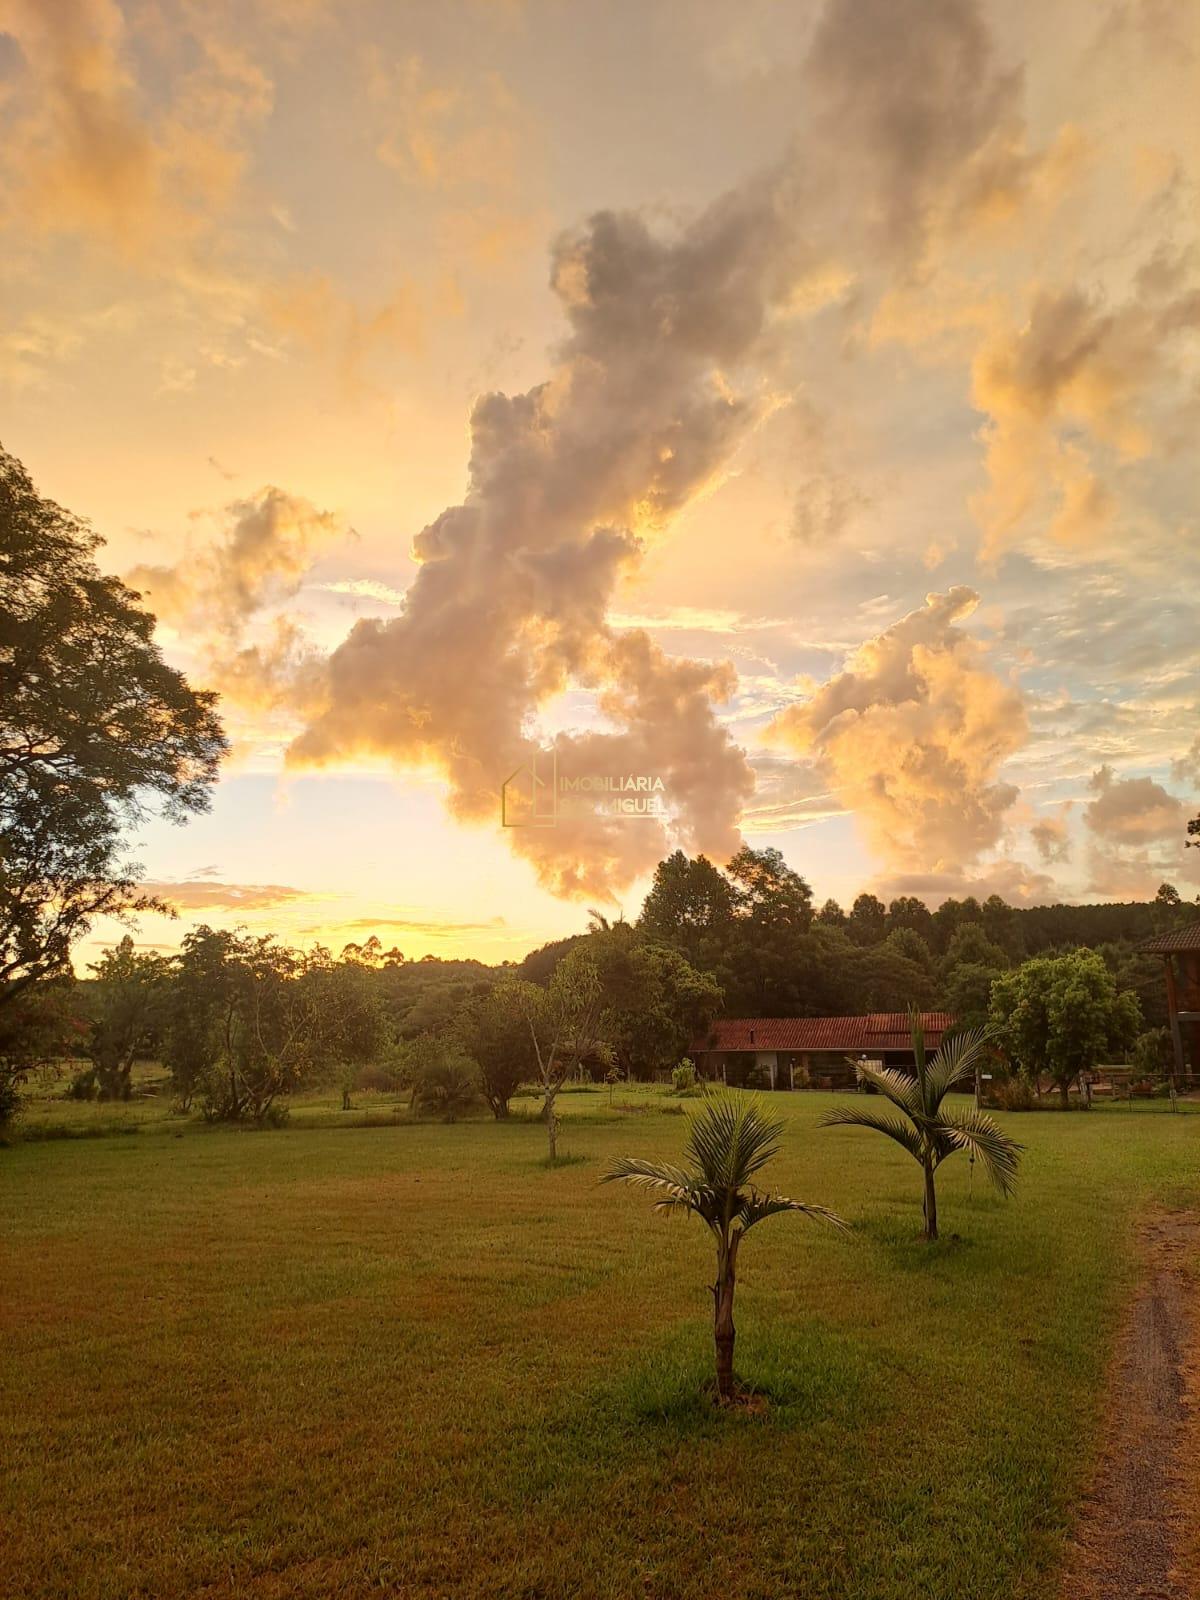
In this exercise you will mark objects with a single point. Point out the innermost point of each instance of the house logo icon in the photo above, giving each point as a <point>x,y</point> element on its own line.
<point>529,796</point>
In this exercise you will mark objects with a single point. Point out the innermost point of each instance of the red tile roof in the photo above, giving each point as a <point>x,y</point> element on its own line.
<point>1178,939</point>
<point>882,1030</point>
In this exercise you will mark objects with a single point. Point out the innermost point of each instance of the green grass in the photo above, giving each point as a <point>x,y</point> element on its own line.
<point>337,1360</point>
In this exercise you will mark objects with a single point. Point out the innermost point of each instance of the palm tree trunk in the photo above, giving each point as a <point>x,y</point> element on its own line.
<point>724,1332</point>
<point>930,1207</point>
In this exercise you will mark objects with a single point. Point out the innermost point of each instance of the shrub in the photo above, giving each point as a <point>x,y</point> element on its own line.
<point>1012,1094</point>
<point>83,1085</point>
<point>683,1076</point>
<point>445,1083</point>
<point>1153,1054</point>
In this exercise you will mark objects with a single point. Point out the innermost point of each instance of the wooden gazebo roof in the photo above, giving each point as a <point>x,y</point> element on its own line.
<point>1165,944</point>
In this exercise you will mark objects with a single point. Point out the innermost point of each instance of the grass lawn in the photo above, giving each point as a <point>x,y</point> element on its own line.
<point>337,1360</point>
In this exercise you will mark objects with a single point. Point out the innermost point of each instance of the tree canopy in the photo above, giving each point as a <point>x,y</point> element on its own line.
<point>95,730</point>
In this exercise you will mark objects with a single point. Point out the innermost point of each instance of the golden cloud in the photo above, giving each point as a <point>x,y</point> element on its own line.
<point>209,894</point>
<point>912,734</point>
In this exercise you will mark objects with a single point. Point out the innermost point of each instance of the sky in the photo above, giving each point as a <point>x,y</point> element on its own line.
<point>790,406</point>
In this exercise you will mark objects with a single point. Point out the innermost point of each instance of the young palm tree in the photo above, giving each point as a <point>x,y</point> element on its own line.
<point>729,1141</point>
<point>930,1132</point>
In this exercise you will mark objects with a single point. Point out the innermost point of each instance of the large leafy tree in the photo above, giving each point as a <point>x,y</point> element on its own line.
<point>768,892</point>
<point>926,1127</point>
<point>867,923</point>
<point>690,905</point>
<point>202,1008</point>
<point>967,993</point>
<point>126,995</point>
<point>40,1026</point>
<point>249,1020</point>
<point>1059,1015</point>
<point>729,1143</point>
<point>494,1033</point>
<point>95,730</point>
<point>655,1001</point>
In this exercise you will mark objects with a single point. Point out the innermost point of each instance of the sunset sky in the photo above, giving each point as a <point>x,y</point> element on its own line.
<point>795,402</point>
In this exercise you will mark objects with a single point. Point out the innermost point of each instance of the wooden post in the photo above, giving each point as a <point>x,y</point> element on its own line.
<point>1173,1014</point>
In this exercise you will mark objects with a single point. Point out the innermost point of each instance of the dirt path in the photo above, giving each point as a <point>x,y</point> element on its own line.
<point>1134,1540</point>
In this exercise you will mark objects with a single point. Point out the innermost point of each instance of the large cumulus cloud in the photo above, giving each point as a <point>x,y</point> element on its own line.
<point>912,734</point>
<point>656,384</point>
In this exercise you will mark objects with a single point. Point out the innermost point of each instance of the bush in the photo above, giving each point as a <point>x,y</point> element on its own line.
<point>10,1097</point>
<point>445,1084</point>
<point>83,1085</point>
<point>683,1077</point>
<point>1154,1054</point>
<point>1012,1094</point>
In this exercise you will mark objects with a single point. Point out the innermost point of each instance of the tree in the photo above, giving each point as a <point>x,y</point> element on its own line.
<point>926,1128</point>
<point>884,979</point>
<point>494,1032</point>
<point>690,904</point>
<point>655,1002</point>
<point>907,912</point>
<point>906,942</point>
<point>344,996</point>
<point>1001,926</point>
<point>729,1142</point>
<point>967,993</point>
<point>970,943</point>
<point>1154,1055</point>
<point>249,1020</point>
<point>95,728</point>
<point>1060,1014</point>
<point>40,1025</point>
<point>125,999</point>
<point>867,923</point>
<point>768,892</point>
<point>563,1021</point>
<point>950,916</point>
<point>202,1009</point>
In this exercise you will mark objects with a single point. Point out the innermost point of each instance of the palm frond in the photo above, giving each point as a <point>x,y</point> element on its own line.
<point>956,1059</point>
<point>900,1088</point>
<point>731,1139</point>
<point>917,1029</point>
<point>859,1117</point>
<point>672,1185</point>
<point>755,1207</point>
<point>974,1131</point>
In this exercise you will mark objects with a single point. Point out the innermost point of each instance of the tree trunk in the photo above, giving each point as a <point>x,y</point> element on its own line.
<point>930,1207</point>
<point>552,1127</point>
<point>1064,1095</point>
<point>724,1332</point>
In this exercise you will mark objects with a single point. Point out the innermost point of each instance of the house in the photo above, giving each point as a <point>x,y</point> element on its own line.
<point>1180,951</point>
<point>810,1052</point>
